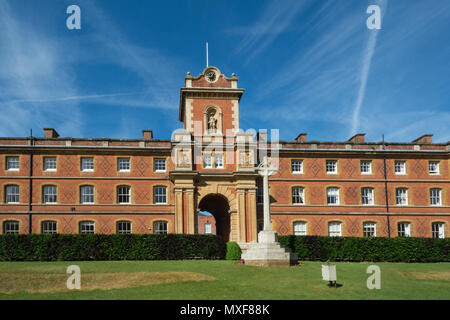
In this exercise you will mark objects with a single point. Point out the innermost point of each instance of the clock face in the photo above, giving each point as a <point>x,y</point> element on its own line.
<point>211,76</point>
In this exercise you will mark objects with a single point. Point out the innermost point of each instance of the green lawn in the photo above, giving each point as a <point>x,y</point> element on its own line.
<point>220,280</point>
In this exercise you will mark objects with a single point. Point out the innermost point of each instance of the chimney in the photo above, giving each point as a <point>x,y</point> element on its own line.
<point>426,138</point>
<point>261,136</point>
<point>357,138</point>
<point>148,134</point>
<point>301,137</point>
<point>50,133</point>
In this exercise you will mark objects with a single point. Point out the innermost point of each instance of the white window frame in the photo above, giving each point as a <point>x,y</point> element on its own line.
<point>433,167</point>
<point>367,196</point>
<point>400,167</point>
<point>124,227</point>
<point>207,227</point>
<point>207,161</point>
<point>401,196</point>
<point>48,193</point>
<point>300,228</point>
<point>157,227</point>
<point>159,165</point>
<point>335,229</point>
<point>87,192</point>
<point>435,197</point>
<point>87,164</point>
<point>12,163</point>
<point>366,164</point>
<point>298,196</point>
<point>404,229</point>
<point>160,195</point>
<point>123,164</point>
<point>50,164</point>
<point>218,161</point>
<point>123,193</point>
<point>87,227</point>
<point>47,227</point>
<point>12,193</point>
<point>296,166</point>
<point>333,193</point>
<point>369,229</point>
<point>438,230</point>
<point>331,164</point>
<point>11,227</point>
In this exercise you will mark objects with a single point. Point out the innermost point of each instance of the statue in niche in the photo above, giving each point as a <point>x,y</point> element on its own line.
<point>212,121</point>
<point>184,160</point>
<point>245,159</point>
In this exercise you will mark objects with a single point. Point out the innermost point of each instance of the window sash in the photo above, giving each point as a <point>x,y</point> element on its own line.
<point>400,167</point>
<point>334,229</point>
<point>160,227</point>
<point>12,194</point>
<point>87,227</point>
<point>123,194</point>
<point>435,197</point>
<point>207,228</point>
<point>218,159</point>
<point>87,164</point>
<point>404,229</point>
<point>298,196</point>
<point>300,228</point>
<point>123,164</point>
<point>401,196</point>
<point>87,194</point>
<point>369,229</point>
<point>160,195</point>
<point>331,166</point>
<point>437,229</point>
<point>12,163</point>
<point>50,194</point>
<point>333,196</point>
<point>11,227</point>
<point>49,163</point>
<point>160,165</point>
<point>297,166</point>
<point>48,227</point>
<point>433,167</point>
<point>367,196</point>
<point>366,167</point>
<point>207,161</point>
<point>123,227</point>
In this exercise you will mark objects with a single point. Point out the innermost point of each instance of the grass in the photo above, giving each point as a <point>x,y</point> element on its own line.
<point>219,280</point>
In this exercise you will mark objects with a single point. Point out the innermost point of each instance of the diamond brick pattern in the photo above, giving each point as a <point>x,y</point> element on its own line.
<point>105,166</point>
<point>349,167</point>
<point>142,166</point>
<point>67,166</point>
<point>315,167</point>
<point>418,169</point>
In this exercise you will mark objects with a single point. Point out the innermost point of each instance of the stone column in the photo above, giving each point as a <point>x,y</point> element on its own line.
<point>178,210</point>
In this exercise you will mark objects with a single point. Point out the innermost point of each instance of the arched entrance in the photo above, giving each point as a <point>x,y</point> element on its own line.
<point>218,206</point>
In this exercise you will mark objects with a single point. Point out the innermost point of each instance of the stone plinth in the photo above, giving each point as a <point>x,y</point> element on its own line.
<point>268,252</point>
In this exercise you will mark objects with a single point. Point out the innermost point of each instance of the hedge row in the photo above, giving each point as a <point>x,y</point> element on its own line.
<point>42,247</point>
<point>368,249</point>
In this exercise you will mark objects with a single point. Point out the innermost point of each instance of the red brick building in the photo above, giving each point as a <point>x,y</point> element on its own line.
<point>350,188</point>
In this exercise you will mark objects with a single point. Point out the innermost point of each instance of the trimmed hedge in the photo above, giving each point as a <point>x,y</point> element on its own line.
<point>397,249</point>
<point>233,251</point>
<point>68,247</point>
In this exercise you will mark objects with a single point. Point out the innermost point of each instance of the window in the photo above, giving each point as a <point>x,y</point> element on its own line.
<point>160,227</point>
<point>123,194</point>
<point>87,194</point>
<point>297,166</point>
<point>207,228</point>
<point>12,194</point>
<point>48,227</point>
<point>400,167</point>
<point>300,228</point>
<point>123,164</point>
<point>433,167</point>
<point>87,227</point>
<point>207,163</point>
<point>331,166</point>
<point>49,194</point>
<point>11,227</point>
<point>404,229</point>
<point>260,195</point>
<point>12,163</point>
<point>334,229</point>
<point>87,164</point>
<point>298,195</point>
<point>369,229</point>
<point>218,158</point>
<point>160,195</point>
<point>435,197</point>
<point>367,196</point>
<point>366,167</point>
<point>332,196</point>
<point>49,163</point>
<point>437,229</point>
<point>401,196</point>
<point>123,227</point>
<point>159,165</point>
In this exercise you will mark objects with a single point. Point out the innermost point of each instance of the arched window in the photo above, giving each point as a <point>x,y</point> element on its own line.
<point>12,194</point>
<point>123,227</point>
<point>300,228</point>
<point>435,197</point>
<point>11,227</point>
<point>123,194</point>
<point>369,229</point>
<point>87,227</point>
<point>160,227</point>
<point>86,194</point>
<point>160,195</point>
<point>404,229</point>
<point>298,195</point>
<point>367,196</point>
<point>48,227</point>
<point>437,229</point>
<point>333,196</point>
<point>49,194</point>
<point>334,229</point>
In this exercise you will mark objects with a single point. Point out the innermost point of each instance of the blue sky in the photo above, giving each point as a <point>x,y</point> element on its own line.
<point>307,66</point>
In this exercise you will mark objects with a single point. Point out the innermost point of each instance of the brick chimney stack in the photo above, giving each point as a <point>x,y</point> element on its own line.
<point>50,133</point>
<point>426,138</point>
<point>148,134</point>
<point>357,138</point>
<point>301,137</point>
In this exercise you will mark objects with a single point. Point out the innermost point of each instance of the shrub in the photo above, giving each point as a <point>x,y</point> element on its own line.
<point>368,249</point>
<point>233,251</point>
<point>68,247</point>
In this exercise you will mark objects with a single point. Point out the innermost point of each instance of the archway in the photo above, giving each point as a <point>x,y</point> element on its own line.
<point>218,206</point>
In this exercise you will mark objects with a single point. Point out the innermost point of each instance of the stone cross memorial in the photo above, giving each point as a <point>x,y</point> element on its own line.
<point>268,252</point>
